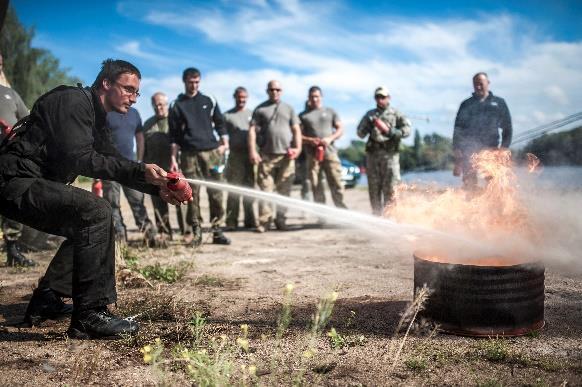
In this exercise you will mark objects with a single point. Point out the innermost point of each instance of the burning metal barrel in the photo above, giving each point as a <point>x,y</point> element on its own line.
<point>485,297</point>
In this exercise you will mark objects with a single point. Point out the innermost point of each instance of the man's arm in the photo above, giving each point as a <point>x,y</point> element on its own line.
<point>338,130</point>
<point>174,133</point>
<point>73,127</point>
<point>506,127</point>
<point>457,135</point>
<point>295,150</point>
<point>364,127</point>
<point>140,145</point>
<point>174,166</point>
<point>403,127</point>
<point>252,144</point>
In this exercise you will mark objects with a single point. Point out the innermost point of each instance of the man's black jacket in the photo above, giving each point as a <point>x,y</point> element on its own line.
<point>65,136</point>
<point>193,120</point>
<point>478,122</point>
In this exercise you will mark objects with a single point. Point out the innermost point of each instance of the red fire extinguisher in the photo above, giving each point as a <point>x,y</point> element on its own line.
<point>320,152</point>
<point>97,188</point>
<point>177,184</point>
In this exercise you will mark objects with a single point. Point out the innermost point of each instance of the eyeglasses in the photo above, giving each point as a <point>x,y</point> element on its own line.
<point>380,96</point>
<point>277,90</point>
<point>129,90</point>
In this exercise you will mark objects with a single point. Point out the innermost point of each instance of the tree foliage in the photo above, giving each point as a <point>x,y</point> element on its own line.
<point>431,152</point>
<point>556,149</point>
<point>31,71</point>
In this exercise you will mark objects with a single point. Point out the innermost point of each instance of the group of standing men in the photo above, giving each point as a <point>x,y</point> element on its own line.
<point>193,135</point>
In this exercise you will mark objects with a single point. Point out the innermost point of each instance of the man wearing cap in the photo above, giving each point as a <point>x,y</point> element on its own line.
<point>275,127</point>
<point>384,126</point>
<point>477,126</point>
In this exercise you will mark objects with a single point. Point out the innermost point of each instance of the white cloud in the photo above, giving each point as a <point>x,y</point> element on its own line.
<point>428,64</point>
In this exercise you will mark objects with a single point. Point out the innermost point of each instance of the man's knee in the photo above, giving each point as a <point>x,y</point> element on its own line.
<point>96,210</point>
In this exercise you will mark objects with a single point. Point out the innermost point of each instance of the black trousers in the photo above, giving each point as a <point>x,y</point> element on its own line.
<point>84,266</point>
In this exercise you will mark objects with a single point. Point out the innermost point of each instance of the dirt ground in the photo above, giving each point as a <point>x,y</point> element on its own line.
<point>244,283</point>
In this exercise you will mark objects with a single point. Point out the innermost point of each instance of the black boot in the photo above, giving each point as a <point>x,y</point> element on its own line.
<point>46,304</point>
<point>218,238</point>
<point>15,258</point>
<point>100,323</point>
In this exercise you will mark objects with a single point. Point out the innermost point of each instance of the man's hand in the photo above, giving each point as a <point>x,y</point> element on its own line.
<point>155,175</point>
<point>293,153</point>
<point>326,141</point>
<point>170,196</point>
<point>222,148</point>
<point>458,168</point>
<point>255,158</point>
<point>382,126</point>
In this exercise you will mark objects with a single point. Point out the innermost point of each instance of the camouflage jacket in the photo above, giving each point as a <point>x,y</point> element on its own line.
<point>399,124</point>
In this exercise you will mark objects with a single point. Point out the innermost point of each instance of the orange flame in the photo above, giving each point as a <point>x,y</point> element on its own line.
<point>488,214</point>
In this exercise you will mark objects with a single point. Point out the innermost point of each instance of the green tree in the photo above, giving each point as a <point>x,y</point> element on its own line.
<point>417,144</point>
<point>356,152</point>
<point>31,71</point>
<point>557,148</point>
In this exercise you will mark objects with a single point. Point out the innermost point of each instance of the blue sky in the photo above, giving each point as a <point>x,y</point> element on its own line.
<point>425,52</point>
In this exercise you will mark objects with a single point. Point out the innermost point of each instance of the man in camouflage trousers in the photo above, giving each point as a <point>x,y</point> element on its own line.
<point>384,126</point>
<point>239,169</point>
<point>320,127</point>
<point>275,127</point>
<point>12,109</point>
<point>193,120</point>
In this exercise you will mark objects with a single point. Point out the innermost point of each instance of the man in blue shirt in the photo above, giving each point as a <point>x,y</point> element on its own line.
<point>480,121</point>
<point>124,127</point>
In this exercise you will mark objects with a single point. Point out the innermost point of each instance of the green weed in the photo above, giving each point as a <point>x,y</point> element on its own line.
<point>168,274</point>
<point>337,340</point>
<point>416,363</point>
<point>494,350</point>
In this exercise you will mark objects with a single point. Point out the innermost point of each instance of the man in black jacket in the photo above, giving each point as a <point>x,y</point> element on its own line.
<point>65,136</point>
<point>477,126</point>
<point>193,119</point>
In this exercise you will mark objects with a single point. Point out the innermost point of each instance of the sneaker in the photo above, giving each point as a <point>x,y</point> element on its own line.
<point>188,238</point>
<point>100,323</point>
<point>15,258</point>
<point>219,238</point>
<point>46,304</point>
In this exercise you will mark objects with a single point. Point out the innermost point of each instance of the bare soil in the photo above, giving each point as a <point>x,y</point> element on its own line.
<point>243,284</point>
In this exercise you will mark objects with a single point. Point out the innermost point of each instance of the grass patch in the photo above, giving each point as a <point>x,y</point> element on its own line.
<point>167,274</point>
<point>495,350</point>
<point>416,363</point>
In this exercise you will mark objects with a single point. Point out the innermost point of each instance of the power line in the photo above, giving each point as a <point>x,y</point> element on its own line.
<point>543,129</point>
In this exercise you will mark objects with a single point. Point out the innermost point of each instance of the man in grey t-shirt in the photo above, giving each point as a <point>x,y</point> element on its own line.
<point>320,127</point>
<point>239,169</point>
<point>275,129</point>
